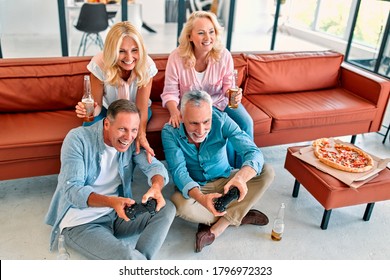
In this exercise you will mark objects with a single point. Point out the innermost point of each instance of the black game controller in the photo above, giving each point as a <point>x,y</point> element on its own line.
<point>139,208</point>
<point>222,202</point>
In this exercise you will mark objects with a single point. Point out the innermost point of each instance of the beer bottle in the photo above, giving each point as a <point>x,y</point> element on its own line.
<point>233,91</point>
<point>278,227</point>
<point>88,101</point>
<point>62,252</point>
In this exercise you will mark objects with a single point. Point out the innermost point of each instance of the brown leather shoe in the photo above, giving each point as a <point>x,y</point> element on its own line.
<point>204,237</point>
<point>255,217</point>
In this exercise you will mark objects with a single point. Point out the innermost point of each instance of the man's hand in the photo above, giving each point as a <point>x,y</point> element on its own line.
<point>155,192</point>
<point>207,200</point>
<point>115,202</point>
<point>239,180</point>
<point>241,186</point>
<point>119,204</point>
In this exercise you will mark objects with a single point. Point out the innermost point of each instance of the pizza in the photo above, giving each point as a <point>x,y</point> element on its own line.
<point>342,156</point>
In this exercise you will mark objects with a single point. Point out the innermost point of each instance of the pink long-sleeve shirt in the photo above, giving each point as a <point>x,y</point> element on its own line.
<point>180,79</point>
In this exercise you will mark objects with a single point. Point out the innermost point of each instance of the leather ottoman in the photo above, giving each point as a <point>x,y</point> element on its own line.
<point>332,193</point>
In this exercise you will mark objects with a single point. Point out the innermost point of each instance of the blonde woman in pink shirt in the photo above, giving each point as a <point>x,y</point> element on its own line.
<point>202,62</point>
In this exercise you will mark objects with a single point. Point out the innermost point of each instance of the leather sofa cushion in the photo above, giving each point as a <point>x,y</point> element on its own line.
<point>40,84</point>
<point>240,64</point>
<point>312,109</point>
<point>158,80</point>
<point>34,135</point>
<point>292,71</point>
<point>261,121</point>
<point>160,116</point>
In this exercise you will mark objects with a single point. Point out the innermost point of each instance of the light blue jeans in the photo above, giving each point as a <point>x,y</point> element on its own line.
<point>101,239</point>
<point>245,122</point>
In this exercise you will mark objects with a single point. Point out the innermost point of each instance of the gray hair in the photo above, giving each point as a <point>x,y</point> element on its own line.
<point>121,105</point>
<point>195,98</point>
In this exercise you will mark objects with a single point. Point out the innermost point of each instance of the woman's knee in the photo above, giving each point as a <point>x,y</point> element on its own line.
<point>247,125</point>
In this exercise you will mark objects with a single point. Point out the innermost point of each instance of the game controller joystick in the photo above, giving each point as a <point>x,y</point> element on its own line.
<point>150,206</point>
<point>222,202</point>
<point>139,208</point>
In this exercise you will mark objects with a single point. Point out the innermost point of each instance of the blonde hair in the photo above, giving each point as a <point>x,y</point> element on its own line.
<point>111,48</point>
<point>186,47</point>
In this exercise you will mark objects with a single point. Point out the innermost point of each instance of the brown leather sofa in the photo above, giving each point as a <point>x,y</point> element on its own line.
<point>291,96</point>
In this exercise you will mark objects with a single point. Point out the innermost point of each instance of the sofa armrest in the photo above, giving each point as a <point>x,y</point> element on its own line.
<point>368,86</point>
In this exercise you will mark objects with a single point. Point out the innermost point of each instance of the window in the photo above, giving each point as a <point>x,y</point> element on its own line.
<point>369,47</point>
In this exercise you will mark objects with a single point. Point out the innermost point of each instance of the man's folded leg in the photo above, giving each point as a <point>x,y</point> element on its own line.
<point>96,241</point>
<point>257,186</point>
<point>152,230</point>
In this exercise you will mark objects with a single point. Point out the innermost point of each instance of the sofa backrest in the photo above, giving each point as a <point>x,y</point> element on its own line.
<point>240,64</point>
<point>158,80</point>
<point>36,84</point>
<point>41,84</point>
<point>292,71</point>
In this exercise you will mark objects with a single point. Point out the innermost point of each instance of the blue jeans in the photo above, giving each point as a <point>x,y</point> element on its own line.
<point>245,122</point>
<point>103,114</point>
<point>101,239</point>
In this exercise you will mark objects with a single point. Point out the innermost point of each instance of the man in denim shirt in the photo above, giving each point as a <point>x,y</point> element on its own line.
<point>94,187</point>
<point>197,159</point>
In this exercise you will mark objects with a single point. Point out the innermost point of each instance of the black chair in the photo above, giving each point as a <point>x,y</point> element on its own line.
<point>111,15</point>
<point>92,20</point>
<point>199,5</point>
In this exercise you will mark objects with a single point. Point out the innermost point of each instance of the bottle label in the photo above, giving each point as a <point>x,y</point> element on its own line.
<point>89,107</point>
<point>276,236</point>
<point>232,93</point>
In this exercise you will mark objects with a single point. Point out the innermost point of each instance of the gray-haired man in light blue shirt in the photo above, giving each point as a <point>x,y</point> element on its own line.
<point>197,159</point>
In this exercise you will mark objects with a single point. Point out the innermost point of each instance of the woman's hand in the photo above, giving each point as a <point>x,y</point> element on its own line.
<point>81,112</point>
<point>238,96</point>
<point>174,112</point>
<point>174,120</point>
<point>141,141</point>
